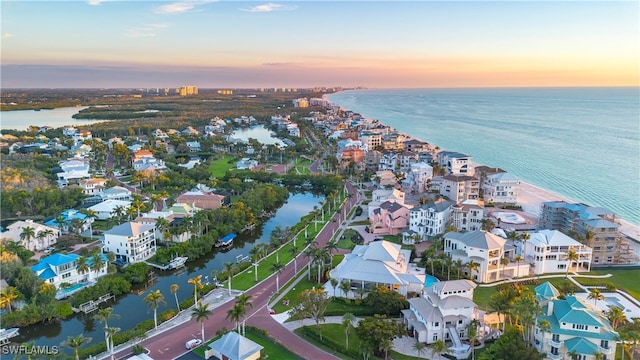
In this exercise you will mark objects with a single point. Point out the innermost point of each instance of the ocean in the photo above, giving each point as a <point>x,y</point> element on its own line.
<point>580,143</point>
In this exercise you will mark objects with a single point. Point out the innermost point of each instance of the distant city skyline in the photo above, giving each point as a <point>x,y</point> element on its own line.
<point>376,44</point>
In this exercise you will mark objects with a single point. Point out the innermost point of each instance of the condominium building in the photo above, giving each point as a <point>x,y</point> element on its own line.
<point>502,188</point>
<point>594,226</point>
<point>459,188</point>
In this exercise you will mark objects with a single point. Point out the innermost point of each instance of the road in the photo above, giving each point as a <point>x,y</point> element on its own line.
<point>171,344</point>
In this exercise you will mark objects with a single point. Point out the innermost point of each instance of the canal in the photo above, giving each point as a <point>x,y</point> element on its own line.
<point>133,310</point>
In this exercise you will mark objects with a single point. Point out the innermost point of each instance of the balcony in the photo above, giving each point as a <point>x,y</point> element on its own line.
<point>607,350</point>
<point>555,356</point>
<point>557,344</point>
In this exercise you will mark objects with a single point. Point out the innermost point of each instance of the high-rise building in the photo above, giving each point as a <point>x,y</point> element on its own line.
<point>188,90</point>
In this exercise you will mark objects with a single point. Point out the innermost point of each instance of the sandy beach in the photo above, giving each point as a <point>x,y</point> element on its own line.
<point>531,198</point>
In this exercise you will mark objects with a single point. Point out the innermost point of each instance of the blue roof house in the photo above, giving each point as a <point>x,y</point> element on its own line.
<point>59,269</point>
<point>576,328</point>
<point>68,216</point>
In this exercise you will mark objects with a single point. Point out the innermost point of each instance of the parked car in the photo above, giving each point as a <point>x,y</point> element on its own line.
<point>48,250</point>
<point>193,343</point>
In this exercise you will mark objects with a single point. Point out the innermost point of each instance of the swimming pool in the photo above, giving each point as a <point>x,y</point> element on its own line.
<point>66,292</point>
<point>430,280</point>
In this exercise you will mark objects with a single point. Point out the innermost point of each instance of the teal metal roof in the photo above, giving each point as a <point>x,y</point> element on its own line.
<point>547,291</point>
<point>581,346</point>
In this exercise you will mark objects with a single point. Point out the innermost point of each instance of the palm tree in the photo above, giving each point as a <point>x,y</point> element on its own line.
<point>545,326</point>
<point>76,342</point>
<point>41,235</point>
<point>91,215</point>
<point>294,252</point>
<point>345,286</point>
<point>347,323</point>
<point>459,264</point>
<point>243,302</point>
<point>572,256</point>
<point>331,246</point>
<point>61,222</point>
<point>334,285</point>
<point>97,263</point>
<point>83,266</point>
<point>197,284</point>
<point>230,267</point>
<point>111,332</point>
<point>201,312</point>
<point>7,296</point>
<point>27,234</point>
<point>103,316</point>
<point>235,314</point>
<point>174,291</point>
<point>524,237</point>
<point>119,212</point>
<point>472,335</point>
<point>504,262</point>
<point>616,317</point>
<point>154,299</point>
<point>419,347</point>
<point>438,347</point>
<point>519,259</point>
<point>595,295</point>
<point>277,269</point>
<point>472,266</point>
<point>163,225</point>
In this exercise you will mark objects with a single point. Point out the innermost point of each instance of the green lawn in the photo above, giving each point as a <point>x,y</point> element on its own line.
<point>219,167</point>
<point>623,279</point>
<point>272,349</point>
<point>302,161</point>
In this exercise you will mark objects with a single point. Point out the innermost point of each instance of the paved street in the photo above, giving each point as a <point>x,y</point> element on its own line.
<point>169,342</point>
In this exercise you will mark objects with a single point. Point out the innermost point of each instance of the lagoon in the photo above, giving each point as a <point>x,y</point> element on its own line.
<point>260,133</point>
<point>60,117</point>
<point>132,308</point>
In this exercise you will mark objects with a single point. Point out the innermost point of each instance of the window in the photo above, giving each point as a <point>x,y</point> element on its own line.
<point>580,326</point>
<point>554,350</point>
<point>604,344</point>
<point>436,323</point>
<point>555,337</point>
<point>435,337</point>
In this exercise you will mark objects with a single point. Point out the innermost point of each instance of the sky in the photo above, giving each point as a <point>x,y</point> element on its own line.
<point>375,44</point>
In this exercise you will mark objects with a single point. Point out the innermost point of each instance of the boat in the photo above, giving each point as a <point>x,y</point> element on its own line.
<point>177,262</point>
<point>226,240</point>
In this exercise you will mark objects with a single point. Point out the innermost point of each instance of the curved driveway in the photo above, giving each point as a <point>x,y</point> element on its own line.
<point>171,344</point>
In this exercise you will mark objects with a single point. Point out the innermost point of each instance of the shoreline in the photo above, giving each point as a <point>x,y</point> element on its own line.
<point>531,196</point>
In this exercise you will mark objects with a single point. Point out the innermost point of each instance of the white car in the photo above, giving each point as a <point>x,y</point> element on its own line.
<point>193,343</point>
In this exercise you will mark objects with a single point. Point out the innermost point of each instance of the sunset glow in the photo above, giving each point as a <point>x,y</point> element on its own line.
<point>309,43</point>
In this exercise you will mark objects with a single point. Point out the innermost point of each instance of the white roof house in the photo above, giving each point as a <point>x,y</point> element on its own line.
<point>547,250</point>
<point>443,313</point>
<point>131,242</point>
<point>380,263</point>
<point>107,208</point>
<point>486,250</point>
<point>233,346</point>
<point>14,230</point>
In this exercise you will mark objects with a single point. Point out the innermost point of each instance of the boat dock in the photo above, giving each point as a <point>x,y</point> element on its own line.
<point>6,334</point>
<point>92,305</point>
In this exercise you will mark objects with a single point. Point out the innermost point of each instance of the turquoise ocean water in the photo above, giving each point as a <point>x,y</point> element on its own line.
<point>580,143</point>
